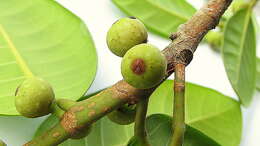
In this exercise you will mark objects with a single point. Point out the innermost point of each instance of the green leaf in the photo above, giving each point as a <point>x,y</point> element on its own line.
<point>239,54</point>
<point>159,128</point>
<point>160,16</point>
<point>258,74</point>
<point>41,38</point>
<point>212,113</point>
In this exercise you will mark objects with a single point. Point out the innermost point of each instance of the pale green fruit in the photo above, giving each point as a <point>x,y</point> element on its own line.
<point>214,39</point>
<point>34,98</point>
<point>124,115</point>
<point>143,66</point>
<point>124,34</point>
<point>83,132</point>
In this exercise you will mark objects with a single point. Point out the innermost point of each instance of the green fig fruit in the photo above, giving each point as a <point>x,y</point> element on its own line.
<point>124,34</point>
<point>143,66</point>
<point>214,38</point>
<point>124,115</point>
<point>34,97</point>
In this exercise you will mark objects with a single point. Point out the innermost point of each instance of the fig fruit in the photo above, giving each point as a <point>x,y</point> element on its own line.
<point>34,97</point>
<point>143,66</point>
<point>124,115</point>
<point>124,34</point>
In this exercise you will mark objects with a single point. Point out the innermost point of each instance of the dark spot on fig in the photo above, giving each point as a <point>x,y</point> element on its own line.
<point>138,66</point>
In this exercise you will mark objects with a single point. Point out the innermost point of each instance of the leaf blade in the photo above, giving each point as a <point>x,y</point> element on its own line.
<point>239,54</point>
<point>258,74</point>
<point>160,125</point>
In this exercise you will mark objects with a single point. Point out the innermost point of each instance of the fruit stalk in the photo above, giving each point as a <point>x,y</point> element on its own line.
<point>178,124</point>
<point>187,38</point>
<point>139,130</point>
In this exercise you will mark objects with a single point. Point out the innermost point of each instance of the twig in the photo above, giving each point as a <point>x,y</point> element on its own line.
<point>139,130</point>
<point>180,51</point>
<point>178,124</point>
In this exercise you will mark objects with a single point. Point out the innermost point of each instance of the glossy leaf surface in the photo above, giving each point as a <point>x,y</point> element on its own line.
<point>41,38</point>
<point>159,129</point>
<point>239,54</point>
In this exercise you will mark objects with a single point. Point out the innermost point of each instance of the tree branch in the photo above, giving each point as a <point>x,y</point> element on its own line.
<point>181,50</point>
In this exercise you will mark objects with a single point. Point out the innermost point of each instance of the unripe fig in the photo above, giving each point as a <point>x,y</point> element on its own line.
<point>124,115</point>
<point>2,143</point>
<point>34,98</point>
<point>124,34</point>
<point>83,132</point>
<point>214,38</point>
<point>238,5</point>
<point>143,66</point>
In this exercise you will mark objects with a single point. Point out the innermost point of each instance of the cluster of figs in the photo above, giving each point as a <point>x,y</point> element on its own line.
<point>143,66</point>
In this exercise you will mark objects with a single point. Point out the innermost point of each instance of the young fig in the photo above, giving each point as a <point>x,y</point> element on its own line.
<point>143,66</point>
<point>124,34</point>
<point>214,38</point>
<point>124,115</point>
<point>33,98</point>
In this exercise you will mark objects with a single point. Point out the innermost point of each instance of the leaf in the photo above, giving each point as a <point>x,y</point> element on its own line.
<point>215,115</point>
<point>103,133</point>
<point>159,128</point>
<point>41,38</point>
<point>258,74</point>
<point>161,17</point>
<point>239,54</point>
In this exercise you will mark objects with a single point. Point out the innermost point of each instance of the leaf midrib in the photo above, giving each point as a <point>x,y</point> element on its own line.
<point>19,60</point>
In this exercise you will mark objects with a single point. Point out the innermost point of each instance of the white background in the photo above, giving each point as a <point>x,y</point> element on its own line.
<point>206,69</point>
